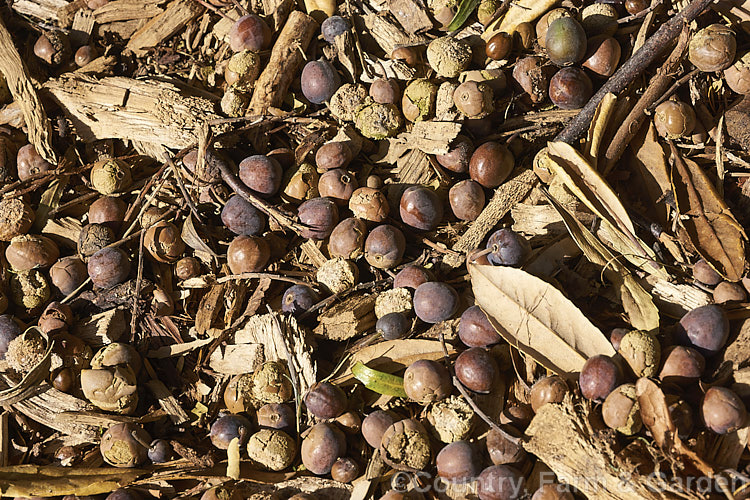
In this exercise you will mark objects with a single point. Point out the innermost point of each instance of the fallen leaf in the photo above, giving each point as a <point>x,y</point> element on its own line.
<point>522,11</point>
<point>709,223</point>
<point>48,481</point>
<point>537,318</point>
<point>192,239</point>
<point>598,127</point>
<point>380,382</point>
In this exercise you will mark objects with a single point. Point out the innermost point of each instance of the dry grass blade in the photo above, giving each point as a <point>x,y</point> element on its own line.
<point>536,318</point>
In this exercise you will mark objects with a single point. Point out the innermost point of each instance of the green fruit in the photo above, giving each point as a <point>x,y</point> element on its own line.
<point>565,41</point>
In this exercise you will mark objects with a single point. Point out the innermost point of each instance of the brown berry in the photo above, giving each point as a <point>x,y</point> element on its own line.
<point>712,48</point>
<point>369,204</point>
<point>164,242</point>
<point>466,199</point>
<point>499,46</point>
<point>491,164</point>
<point>550,389</point>
<point>722,410</point>
<point>674,119</point>
<point>385,247</point>
<point>248,254</point>
<point>426,381</point>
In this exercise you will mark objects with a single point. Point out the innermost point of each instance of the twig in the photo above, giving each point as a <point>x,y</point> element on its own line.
<point>673,89</point>
<point>183,190</point>
<point>640,14</point>
<point>138,279</point>
<point>632,68</point>
<point>277,277</point>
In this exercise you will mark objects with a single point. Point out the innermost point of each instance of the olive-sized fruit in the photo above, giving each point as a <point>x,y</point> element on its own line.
<point>449,56</point>
<point>426,381</point>
<point>159,451</point>
<point>271,383</point>
<point>474,99</point>
<point>406,446</point>
<point>276,416</point>
<point>385,247</point>
<point>321,447</point>
<point>228,427</point>
<point>408,55</point>
<point>529,73</point>
<point>553,491</point>
<point>107,210</point>
<point>475,330</point>
<point>332,155</point>
<point>31,251</point>
<point>616,335</point>
<point>249,32</point>
<point>369,204</point>
<point>247,254</point>
<point>238,393</point>
<point>325,400</point>
<point>706,328</point>
<point>712,48</point>
<point>92,238</point>
<point>30,163</point>
<point>418,101</point>
<point>374,426</point>
<point>674,119</point>
<point>84,55</point>
<point>16,218</point>
<point>56,318</point>
<point>344,470</point>
<point>271,449</point>
<point>350,422</point>
<point>108,267</point>
<point>347,239</point>
<point>722,410</point>
<point>682,366</point>
<point>242,218</point>
<point>737,75</point>
<point>67,274</point>
<point>319,81</point>
<point>642,352</point>
<point>320,215</point>
<point>125,445</point>
<point>550,389</point>
<point>635,6</point>
<point>123,494</point>
<point>570,88</point>
<point>599,376</point>
<point>110,176</point>
<point>602,56</point>
<point>499,46</point>
<point>508,248</point>
<point>467,199</point>
<point>393,326</point>
<point>505,451</point>
<point>476,369</point>
<point>565,41</point>
<point>164,242</point>
<point>298,299</point>
<point>53,47</point>
<point>435,301</point>
<point>334,26</point>
<point>621,410</point>
<point>421,208</point>
<point>411,277</point>
<point>727,291</point>
<point>519,415</point>
<point>500,482</point>
<point>458,156</point>
<point>111,389</point>
<point>683,416</point>
<point>337,184</point>
<point>261,174</point>
<point>385,91</point>
<point>703,272</point>
<point>543,24</point>
<point>457,462</point>
<point>490,164</point>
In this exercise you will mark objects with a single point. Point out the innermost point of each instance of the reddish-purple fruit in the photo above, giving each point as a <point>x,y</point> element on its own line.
<point>345,470</point>
<point>435,302</point>
<point>108,267</point>
<point>547,390</point>
<point>421,208</point>
<point>505,451</point>
<point>298,299</point>
<point>67,274</point>
<point>467,199</point>
<point>476,370</point>
<point>320,215</point>
<point>682,366</point>
<point>705,328</point>
<point>475,330</point>
<point>385,247</point>
<point>261,174</point>
<point>228,427</point>
<point>411,277</point>
<point>508,248</point>
<point>325,400</point>
<point>242,218</point>
<point>374,426</point>
<point>599,376</point>
<point>85,55</point>
<point>333,155</point>
<point>249,32</point>
<point>616,335</point>
<point>570,88</point>
<point>457,463</point>
<point>490,164</point>
<point>458,156</point>
<point>107,210</point>
<point>500,482</point>
<point>29,162</point>
<point>426,381</point>
<point>321,447</point>
<point>385,91</point>
<point>337,184</point>
<point>319,81</point>
<point>722,410</point>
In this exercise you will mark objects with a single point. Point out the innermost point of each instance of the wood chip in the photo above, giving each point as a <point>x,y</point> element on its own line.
<point>349,318</point>
<point>432,137</point>
<point>177,15</point>
<point>43,10</point>
<point>234,359</point>
<point>411,14</point>
<point>126,10</point>
<point>167,401</point>
<point>102,328</point>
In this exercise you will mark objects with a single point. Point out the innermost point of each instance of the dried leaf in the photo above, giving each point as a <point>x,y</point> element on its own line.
<point>711,226</point>
<point>598,127</point>
<point>651,161</point>
<point>537,318</point>
<point>523,11</point>
<point>50,200</point>
<point>48,481</point>
<point>380,382</point>
<point>192,239</point>
<point>638,303</point>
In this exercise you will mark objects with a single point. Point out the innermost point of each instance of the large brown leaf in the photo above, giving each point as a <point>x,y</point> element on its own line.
<point>709,223</point>
<point>536,318</point>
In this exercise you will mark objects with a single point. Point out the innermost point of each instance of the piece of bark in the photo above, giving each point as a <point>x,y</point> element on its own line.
<point>167,401</point>
<point>432,137</point>
<point>279,11</point>
<point>64,231</point>
<point>102,328</point>
<point>5,448</point>
<point>135,110</point>
<point>43,10</point>
<point>543,223</point>
<point>411,14</point>
<point>12,114</point>
<point>23,91</point>
<point>506,196</point>
<point>83,26</point>
<point>287,56</point>
<point>349,318</point>
<point>66,14</point>
<point>311,250</point>
<point>675,299</point>
<point>126,10</point>
<point>415,168</point>
<point>99,66</point>
<point>234,359</point>
<point>177,14</point>
<point>390,35</point>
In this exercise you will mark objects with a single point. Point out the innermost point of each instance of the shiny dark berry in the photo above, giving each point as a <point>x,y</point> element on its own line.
<point>332,155</point>
<point>393,326</point>
<point>706,328</point>
<point>467,199</point>
<point>249,32</point>
<point>570,88</point>
<point>722,410</point>
<point>321,447</point>
<point>550,389</point>
<point>108,267</point>
<point>337,184</point>
<point>499,46</point>
<point>490,164</point>
<point>682,365</point>
<point>458,156</point>
<point>599,376</point>
<point>298,299</point>
<point>159,451</point>
<point>345,470</point>
<point>500,482</point>
<point>384,247</point>
<point>421,208</point>
<point>508,248</point>
<point>228,427</point>
<point>334,26</point>
<point>374,426</point>
<point>325,400</point>
<point>475,330</point>
<point>476,369</point>
<point>348,238</point>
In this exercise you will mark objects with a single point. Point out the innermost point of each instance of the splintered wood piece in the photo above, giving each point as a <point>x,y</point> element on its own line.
<point>178,14</point>
<point>349,318</point>
<point>234,359</point>
<point>287,56</point>
<point>389,35</point>
<point>313,253</point>
<point>64,231</point>
<point>102,328</point>
<point>135,110</point>
<point>506,196</point>
<point>411,14</point>
<point>23,92</point>
<point>66,14</point>
<point>167,401</point>
<point>44,10</point>
<point>125,10</point>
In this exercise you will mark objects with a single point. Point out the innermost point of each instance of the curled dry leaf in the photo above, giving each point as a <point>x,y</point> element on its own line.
<point>638,303</point>
<point>47,481</point>
<point>192,239</point>
<point>536,318</point>
<point>523,11</point>
<point>711,226</point>
<point>598,127</point>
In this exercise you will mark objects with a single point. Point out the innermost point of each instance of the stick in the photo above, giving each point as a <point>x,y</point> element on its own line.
<point>633,67</point>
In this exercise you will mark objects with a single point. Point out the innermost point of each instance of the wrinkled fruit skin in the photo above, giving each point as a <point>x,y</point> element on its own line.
<point>426,381</point>
<point>125,445</point>
<point>705,328</point>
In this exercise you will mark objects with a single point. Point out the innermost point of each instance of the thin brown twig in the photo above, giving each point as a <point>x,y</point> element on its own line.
<point>640,14</point>
<point>679,83</point>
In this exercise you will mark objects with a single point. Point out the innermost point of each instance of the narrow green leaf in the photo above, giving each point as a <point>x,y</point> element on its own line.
<point>463,13</point>
<point>380,382</point>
